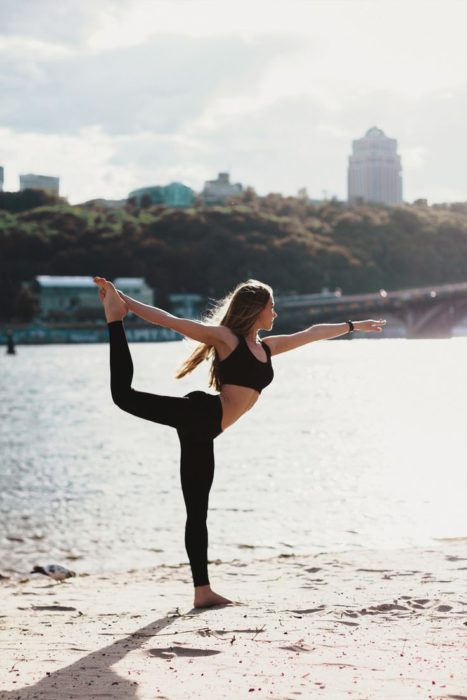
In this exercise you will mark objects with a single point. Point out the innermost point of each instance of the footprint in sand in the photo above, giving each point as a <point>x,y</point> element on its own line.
<point>298,647</point>
<point>453,557</point>
<point>348,623</point>
<point>170,652</point>
<point>383,608</point>
<point>53,608</point>
<point>306,611</point>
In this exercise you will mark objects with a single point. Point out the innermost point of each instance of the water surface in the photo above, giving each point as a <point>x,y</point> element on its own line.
<point>355,444</point>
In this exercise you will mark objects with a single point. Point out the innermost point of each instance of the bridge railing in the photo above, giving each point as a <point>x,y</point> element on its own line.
<point>380,298</point>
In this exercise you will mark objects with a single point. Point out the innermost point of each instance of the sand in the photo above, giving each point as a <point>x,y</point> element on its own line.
<point>360,624</point>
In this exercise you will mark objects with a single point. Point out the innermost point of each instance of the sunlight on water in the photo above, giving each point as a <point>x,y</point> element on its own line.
<point>355,444</point>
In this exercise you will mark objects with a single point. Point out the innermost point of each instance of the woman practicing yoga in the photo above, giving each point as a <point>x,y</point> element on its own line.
<point>240,369</point>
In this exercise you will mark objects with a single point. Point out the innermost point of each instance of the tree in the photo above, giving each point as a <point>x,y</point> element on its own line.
<point>27,199</point>
<point>24,306</point>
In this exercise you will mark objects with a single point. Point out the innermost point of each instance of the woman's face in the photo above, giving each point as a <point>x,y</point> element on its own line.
<point>267,315</point>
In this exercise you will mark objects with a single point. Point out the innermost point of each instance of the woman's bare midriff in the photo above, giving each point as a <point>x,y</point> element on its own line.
<point>236,400</point>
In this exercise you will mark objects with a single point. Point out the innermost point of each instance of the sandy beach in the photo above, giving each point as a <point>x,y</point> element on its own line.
<point>359,624</point>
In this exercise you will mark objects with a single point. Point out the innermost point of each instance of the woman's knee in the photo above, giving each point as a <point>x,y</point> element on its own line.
<point>121,397</point>
<point>197,506</point>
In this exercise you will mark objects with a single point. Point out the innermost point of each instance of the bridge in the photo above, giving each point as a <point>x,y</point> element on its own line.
<point>426,312</point>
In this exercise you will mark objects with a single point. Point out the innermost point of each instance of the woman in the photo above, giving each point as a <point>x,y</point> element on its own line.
<point>240,368</point>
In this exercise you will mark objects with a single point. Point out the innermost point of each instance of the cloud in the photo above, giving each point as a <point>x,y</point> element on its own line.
<point>81,161</point>
<point>159,86</point>
<point>63,21</point>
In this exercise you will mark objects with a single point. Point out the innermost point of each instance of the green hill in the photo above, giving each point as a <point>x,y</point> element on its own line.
<point>293,245</point>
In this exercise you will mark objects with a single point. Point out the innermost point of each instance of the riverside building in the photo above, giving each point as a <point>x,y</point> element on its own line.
<point>70,298</point>
<point>375,171</point>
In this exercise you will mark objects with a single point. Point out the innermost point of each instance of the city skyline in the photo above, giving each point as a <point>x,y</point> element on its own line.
<point>124,94</point>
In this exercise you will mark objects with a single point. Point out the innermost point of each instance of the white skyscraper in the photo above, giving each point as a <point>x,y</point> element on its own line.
<point>374,173</point>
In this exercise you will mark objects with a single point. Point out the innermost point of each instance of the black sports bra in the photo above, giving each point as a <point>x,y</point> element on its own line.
<point>242,368</point>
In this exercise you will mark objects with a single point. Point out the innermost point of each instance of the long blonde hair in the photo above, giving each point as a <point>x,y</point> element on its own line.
<point>238,311</point>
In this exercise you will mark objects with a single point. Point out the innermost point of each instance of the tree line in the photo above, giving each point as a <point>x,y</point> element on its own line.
<point>295,246</point>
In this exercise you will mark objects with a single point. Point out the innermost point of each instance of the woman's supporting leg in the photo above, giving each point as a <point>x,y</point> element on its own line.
<point>197,473</point>
<point>168,410</point>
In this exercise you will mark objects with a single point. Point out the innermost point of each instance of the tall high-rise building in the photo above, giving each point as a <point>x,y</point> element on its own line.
<point>39,182</point>
<point>1,178</point>
<point>375,171</point>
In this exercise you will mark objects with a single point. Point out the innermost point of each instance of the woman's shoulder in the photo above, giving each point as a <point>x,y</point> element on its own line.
<point>227,333</point>
<point>227,341</point>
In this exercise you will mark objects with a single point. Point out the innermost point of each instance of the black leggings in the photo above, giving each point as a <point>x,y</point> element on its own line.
<point>197,418</point>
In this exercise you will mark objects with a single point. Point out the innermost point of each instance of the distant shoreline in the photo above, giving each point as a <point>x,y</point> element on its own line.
<point>74,333</point>
<point>96,332</point>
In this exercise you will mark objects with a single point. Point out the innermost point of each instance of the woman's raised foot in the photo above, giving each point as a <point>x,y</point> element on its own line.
<point>205,598</point>
<point>114,307</point>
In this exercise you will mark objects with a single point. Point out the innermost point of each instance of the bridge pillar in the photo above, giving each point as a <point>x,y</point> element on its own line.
<point>435,320</point>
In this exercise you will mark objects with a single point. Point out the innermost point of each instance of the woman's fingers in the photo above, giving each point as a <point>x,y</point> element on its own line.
<point>374,325</point>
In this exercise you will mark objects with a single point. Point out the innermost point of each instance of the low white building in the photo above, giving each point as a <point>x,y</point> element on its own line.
<point>135,287</point>
<point>39,182</point>
<point>71,297</point>
<point>186,305</point>
<point>62,296</point>
<point>220,190</point>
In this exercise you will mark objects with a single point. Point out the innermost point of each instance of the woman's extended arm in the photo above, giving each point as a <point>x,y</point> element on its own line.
<point>321,331</point>
<point>196,330</point>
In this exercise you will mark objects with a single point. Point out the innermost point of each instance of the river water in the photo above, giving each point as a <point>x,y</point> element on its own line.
<point>355,444</point>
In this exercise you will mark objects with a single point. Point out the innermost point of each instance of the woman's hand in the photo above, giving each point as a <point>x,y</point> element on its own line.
<point>369,326</point>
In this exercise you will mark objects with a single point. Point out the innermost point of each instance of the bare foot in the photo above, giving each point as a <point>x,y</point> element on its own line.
<point>205,598</point>
<point>114,307</point>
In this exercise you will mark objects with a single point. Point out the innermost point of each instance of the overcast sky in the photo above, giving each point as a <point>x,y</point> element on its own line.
<point>118,94</point>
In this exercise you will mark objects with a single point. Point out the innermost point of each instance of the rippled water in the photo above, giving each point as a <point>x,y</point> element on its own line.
<point>360,443</point>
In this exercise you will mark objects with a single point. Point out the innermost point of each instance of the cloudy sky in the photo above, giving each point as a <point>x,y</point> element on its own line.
<point>117,94</point>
